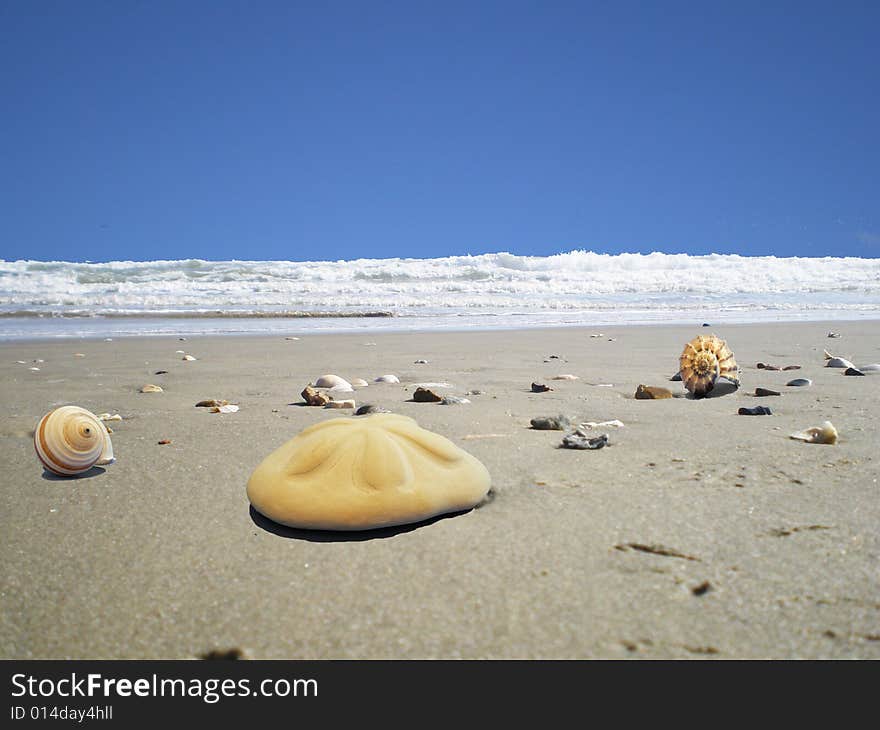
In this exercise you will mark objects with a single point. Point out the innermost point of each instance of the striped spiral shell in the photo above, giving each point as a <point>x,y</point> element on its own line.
<point>70,440</point>
<point>706,358</point>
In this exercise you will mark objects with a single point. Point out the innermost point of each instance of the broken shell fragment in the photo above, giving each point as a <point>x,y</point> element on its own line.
<point>211,403</point>
<point>454,400</point>
<point>651,392</point>
<point>824,434</point>
<point>314,397</point>
<point>705,359</point>
<point>838,362</point>
<point>799,383</point>
<point>364,473</point>
<point>188,358</point>
<point>340,404</point>
<point>150,388</point>
<point>601,424</point>
<point>580,440</point>
<point>540,388</point>
<point>228,408</point>
<point>71,440</point>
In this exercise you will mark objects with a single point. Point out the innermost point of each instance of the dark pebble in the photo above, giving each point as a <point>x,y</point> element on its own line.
<point>540,388</point>
<point>756,411</point>
<point>760,392</point>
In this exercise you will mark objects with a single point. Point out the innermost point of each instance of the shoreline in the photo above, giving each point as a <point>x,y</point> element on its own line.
<point>696,533</point>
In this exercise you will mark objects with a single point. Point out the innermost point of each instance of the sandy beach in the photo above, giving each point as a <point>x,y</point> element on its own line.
<point>696,533</point>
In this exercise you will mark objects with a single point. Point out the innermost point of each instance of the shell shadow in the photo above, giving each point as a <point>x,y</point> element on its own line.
<point>95,471</point>
<point>295,533</point>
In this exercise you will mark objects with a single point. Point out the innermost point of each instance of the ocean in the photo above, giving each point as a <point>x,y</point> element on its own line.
<point>498,290</point>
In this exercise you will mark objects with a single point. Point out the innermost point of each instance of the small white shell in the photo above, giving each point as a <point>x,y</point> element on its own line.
<point>359,383</point>
<point>824,434</point>
<point>332,381</point>
<point>71,440</point>
<point>340,404</point>
<point>150,388</point>
<point>387,379</point>
<point>188,358</point>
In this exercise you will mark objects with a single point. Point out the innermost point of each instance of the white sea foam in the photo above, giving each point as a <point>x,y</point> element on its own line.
<point>501,289</point>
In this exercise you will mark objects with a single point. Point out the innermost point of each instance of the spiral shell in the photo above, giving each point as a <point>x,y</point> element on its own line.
<point>706,358</point>
<point>71,440</point>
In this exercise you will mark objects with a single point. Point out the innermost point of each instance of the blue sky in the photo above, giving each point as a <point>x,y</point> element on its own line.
<point>285,130</point>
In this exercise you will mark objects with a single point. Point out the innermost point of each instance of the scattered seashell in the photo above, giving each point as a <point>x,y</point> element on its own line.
<point>387,379</point>
<point>792,367</point>
<point>71,440</point>
<point>601,424</point>
<point>314,397</point>
<point>764,366</point>
<point>161,372</point>
<point>597,335</point>
<point>180,352</point>
<point>188,358</point>
<point>78,354</point>
<point>291,338</point>
<point>474,392</point>
<point>580,440</point>
<point>39,360</point>
<point>676,378</point>
<point>540,388</point>
<point>21,362</point>
<point>364,473</point>
<point>228,408</point>
<point>824,434</point>
<point>566,376</point>
<point>420,362</point>
<point>838,362</point>
<point>552,423</point>
<point>340,404</point>
<point>108,339</point>
<point>761,392</point>
<point>453,400</point>
<point>853,371</point>
<point>704,359</point>
<point>756,411</point>
<point>108,417</point>
<point>650,392</point>
<point>181,339</point>
<point>35,369</point>
<point>799,382</point>
<point>833,334</point>
<point>369,408</point>
<point>164,442</point>
<point>706,324</point>
<point>426,395</point>
<point>150,388</point>
<point>359,383</point>
<point>553,357</point>
<point>332,381</point>
<point>212,403</point>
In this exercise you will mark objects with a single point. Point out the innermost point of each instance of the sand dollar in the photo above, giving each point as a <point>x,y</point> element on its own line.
<point>366,472</point>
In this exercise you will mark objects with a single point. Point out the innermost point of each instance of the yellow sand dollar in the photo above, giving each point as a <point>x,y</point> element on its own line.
<point>365,472</point>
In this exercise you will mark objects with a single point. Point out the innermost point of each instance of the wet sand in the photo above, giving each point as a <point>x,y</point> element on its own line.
<point>696,533</point>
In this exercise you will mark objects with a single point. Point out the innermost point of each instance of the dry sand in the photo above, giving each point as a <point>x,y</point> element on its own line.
<point>763,546</point>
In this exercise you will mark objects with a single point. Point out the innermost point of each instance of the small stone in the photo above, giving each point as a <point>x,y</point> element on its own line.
<point>799,383</point>
<point>540,388</point>
<point>369,408</point>
<point>762,392</point>
<point>552,423</point>
<point>314,397</point>
<point>426,395</point>
<point>756,411</point>
<point>164,442</point>
<point>651,392</point>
